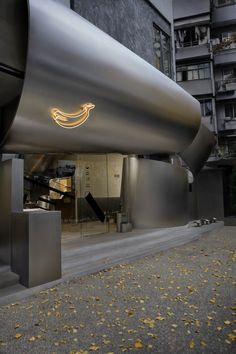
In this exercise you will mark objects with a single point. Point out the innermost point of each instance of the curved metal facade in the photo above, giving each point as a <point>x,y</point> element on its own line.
<point>72,63</point>
<point>198,152</point>
<point>154,193</point>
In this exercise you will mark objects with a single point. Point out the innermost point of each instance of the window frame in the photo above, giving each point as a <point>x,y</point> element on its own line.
<point>196,70</point>
<point>232,107</point>
<point>203,102</point>
<point>163,51</point>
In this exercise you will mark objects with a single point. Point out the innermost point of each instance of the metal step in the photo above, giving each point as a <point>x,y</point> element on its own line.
<point>10,290</point>
<point>8,278</point>
<point>4,268</point>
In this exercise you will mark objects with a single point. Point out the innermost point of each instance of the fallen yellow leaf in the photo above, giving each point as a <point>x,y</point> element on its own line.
<point>191,344</point>
<point>32,339</point>
<point>138,344</point>
<point>94,347</point>
<point>160,318</point>
<point>18,335</point>
<point>213,300</point>
<point>232,337</point>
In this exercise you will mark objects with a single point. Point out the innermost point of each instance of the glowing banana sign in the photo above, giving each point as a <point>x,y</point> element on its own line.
<point>72,120</point>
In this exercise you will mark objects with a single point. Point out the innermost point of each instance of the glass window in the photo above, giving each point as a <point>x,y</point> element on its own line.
<point>229,73</point>
<point>157,48</point>
<point>179,76</point>
<point>162,49</point>
<point>206,107</point>
<point>193,72</point>
<point>230,110</point>
<point>189,37</point>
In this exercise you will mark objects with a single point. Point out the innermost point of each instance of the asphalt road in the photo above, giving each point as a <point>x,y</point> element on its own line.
<point>178,301</point>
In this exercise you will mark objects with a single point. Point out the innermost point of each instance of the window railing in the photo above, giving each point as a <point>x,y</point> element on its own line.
<point>190,44</point>
<point>223,85</point>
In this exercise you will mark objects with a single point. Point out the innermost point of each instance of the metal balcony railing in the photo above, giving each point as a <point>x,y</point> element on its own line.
<point>225,85</point>
<point>189,44</point>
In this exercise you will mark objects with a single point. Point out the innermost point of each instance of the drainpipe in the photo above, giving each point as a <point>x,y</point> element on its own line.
<point>213,92</point>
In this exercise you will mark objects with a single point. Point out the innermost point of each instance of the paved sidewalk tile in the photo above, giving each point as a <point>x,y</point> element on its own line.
<point>181,300</point>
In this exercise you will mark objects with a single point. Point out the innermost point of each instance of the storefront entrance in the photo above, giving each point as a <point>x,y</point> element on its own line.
<point>84,187</point>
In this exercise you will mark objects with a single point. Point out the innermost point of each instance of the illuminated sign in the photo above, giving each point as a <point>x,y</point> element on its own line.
<point>72,120</point>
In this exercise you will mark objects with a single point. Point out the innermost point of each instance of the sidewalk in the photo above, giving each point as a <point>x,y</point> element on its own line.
<point>83,256</point>
<point>178,301</point>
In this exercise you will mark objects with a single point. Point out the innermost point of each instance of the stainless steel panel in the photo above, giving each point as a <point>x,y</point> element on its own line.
<point>159,195</point>
<point>36,246</point>
<point>129,183</point>
<point>71,62</point>
<point>13,33</point>
<point>11,200</point>
<point>10,88</point>
<point>198,152</point>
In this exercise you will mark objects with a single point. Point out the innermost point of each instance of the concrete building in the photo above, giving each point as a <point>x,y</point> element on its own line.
<point>205,42</point>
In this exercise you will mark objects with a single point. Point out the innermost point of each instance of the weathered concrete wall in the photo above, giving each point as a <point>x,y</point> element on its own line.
<point>165,7</point>
<point>129,22</point>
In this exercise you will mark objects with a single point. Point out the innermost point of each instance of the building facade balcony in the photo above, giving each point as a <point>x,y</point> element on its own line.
<point>192,50</point>
<point>226,89</point>
<point>225,56</point>
<point>224,15</point>
<point>197,87</point>
<point>230,124</point>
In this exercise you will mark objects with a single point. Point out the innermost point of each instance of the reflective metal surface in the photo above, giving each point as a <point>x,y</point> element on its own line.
<point>13,34</point>
<point>11,200</point>
<point>70,62</point>
<point>159,193</point>
<point>198,152</point>
<point>36,246</point>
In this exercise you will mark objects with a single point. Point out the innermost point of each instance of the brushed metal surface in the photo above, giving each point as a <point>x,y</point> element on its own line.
<point>11,200</point>
<point>159,193</point>
<point>71,62</point>
<point>10,88</point>
<point>198,152</point>
<point>36,246</point>
<point>13,33</point>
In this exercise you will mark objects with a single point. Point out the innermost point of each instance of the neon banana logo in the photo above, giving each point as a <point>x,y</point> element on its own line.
<point>72,120</point>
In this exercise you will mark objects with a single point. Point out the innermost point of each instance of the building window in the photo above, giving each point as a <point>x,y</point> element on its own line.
<point>206,108</point>
<point>230,110</point>
<point>162,50</point>
<point>189,37</point>
<point>224,2</point>
<point>229,74</point>
<point>193,72</point>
